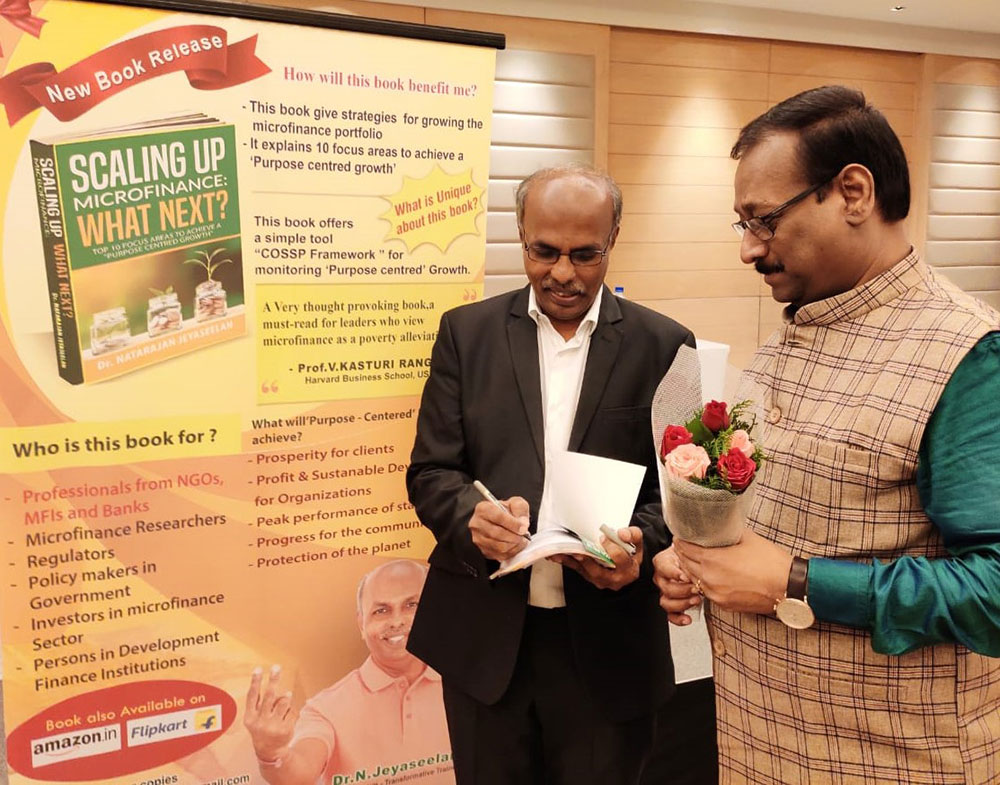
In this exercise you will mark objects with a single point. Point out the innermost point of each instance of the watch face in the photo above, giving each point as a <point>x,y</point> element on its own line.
<point>795,613</point>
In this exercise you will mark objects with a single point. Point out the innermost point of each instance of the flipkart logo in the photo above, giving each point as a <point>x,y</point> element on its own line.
<point>175,725</point>
<point>207,719</point>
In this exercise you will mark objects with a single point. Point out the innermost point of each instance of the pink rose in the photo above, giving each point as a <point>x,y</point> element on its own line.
<point>715,417</point>
<point>674,436</point>
<point>741,441</point>
<point>686,461</point>
<point>737,469</point>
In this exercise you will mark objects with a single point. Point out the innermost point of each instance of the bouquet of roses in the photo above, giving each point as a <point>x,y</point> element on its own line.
<point>713,449</point>
<point>707,465</point>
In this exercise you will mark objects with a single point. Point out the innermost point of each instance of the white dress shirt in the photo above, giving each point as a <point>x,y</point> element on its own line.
<point>561,364</point>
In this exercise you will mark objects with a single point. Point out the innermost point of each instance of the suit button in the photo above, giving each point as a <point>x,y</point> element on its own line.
<point>774,415</point>
<point>718,648</point>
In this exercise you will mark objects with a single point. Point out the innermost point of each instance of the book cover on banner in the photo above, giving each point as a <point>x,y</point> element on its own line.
<point>141,235</point>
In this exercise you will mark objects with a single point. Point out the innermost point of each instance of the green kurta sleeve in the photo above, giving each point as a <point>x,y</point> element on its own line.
<point>913,602</point>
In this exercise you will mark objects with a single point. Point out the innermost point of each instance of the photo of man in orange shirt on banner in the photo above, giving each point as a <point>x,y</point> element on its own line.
<point>383,719</point>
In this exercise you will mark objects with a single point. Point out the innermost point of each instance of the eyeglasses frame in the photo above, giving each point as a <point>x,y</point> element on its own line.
<point>569,254</point>
<point>766,220</point>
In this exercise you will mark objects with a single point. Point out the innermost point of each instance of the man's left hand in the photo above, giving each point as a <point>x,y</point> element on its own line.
<point>626,567</point>
<point>748,577</point>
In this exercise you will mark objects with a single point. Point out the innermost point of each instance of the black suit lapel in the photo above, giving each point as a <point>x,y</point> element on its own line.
<point>604,346</point>
<point>522,335</point>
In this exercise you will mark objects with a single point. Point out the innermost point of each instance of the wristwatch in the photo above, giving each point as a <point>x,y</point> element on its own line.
<point>792,609</point>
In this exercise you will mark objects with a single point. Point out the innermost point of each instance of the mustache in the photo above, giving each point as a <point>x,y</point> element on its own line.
<point>564,290</point>
<point>765,269</point>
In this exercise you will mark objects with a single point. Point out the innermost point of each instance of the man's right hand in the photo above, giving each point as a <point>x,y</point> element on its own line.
<point>499,534</point>
<point>677,593</point>
<point>269,716</point>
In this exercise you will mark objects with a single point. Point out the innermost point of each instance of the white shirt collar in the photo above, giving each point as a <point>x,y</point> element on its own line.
<point>589,322</point>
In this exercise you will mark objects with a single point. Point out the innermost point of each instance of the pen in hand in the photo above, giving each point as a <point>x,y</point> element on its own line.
<point>612,535</point>
<point>485,493</point>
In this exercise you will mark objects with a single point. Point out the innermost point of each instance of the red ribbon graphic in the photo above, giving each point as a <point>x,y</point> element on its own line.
<point>18,13</point>
<point>83,85</point>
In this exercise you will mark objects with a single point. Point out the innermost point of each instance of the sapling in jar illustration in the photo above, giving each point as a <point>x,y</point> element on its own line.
<point>164,312</point>
<point>209,296</point>
<point>109,331</point>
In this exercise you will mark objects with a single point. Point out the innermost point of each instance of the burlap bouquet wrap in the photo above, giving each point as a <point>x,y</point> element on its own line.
<point>704,516</point>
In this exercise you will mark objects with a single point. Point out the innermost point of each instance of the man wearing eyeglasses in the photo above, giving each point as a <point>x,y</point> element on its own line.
<point>553,674</point>
<point>856,625</point>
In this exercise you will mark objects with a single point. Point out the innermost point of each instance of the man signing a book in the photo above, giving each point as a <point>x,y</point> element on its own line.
<point>553,674</point>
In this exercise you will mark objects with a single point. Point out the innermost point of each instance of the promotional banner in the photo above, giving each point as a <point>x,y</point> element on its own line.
<point>226,246</point>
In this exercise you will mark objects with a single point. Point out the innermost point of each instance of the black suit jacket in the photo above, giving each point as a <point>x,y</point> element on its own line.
<point>481,418</point>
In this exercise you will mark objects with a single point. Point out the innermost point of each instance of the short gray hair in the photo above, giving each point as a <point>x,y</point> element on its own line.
<point>569,170</point>
<point>422,568</point>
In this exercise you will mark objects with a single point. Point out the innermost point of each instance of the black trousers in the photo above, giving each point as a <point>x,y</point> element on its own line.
<point>546,729</point>
<point>685,751</point>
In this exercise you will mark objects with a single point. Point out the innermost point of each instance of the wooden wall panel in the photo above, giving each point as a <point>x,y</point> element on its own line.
<point>686,49</point>
<point>693,199</point>
<point>688,82</point>
<point>504,259</point>
<point>684,112</point>
<point>671,141</point>
<point>677,103</point>
<point>951,175</point>
<point>575,133</point>
<point>679,227</point>
<point>688,284</point>
<point>673,255</point>
<point>843,62</point>
<point>637,167</point>
<point>967,97</point>
<point>965,149</point>
<point>963,227</point>
<point>984,278</point>
<point>962,70</point>
<point>544,35</point>
<point>963,220</point>
<point>558,68</point>
<point>967,123</point>
<point>885,95</point>
<point>511,94</point>
<point>708,316</point>
<point>963,252</point>
<point>964,201</point>
<point>518,161</point>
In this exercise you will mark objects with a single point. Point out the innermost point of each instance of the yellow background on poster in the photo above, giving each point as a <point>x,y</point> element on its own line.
<point>174,527</point>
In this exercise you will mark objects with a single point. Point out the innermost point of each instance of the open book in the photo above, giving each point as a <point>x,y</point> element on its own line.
<point>587,492</point>
<point>549,542</point>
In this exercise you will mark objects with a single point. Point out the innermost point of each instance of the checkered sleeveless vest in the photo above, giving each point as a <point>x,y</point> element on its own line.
<point>850,385</point>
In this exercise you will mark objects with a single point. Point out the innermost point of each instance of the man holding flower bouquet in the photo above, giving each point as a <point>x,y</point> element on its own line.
<point>856,622</point>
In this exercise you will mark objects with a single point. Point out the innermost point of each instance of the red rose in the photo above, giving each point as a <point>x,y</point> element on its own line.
<point>737,469</point>
<point>674,436</point>
<point>715,417</point>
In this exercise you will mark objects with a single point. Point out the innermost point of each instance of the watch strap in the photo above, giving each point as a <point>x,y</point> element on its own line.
<point>798,578</point>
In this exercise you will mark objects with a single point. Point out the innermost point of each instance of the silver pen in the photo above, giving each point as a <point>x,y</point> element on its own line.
<point>612,535</point>
<point>486,494</point>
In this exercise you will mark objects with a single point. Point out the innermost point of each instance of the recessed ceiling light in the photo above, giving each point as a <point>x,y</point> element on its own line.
<point>899,8</point>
